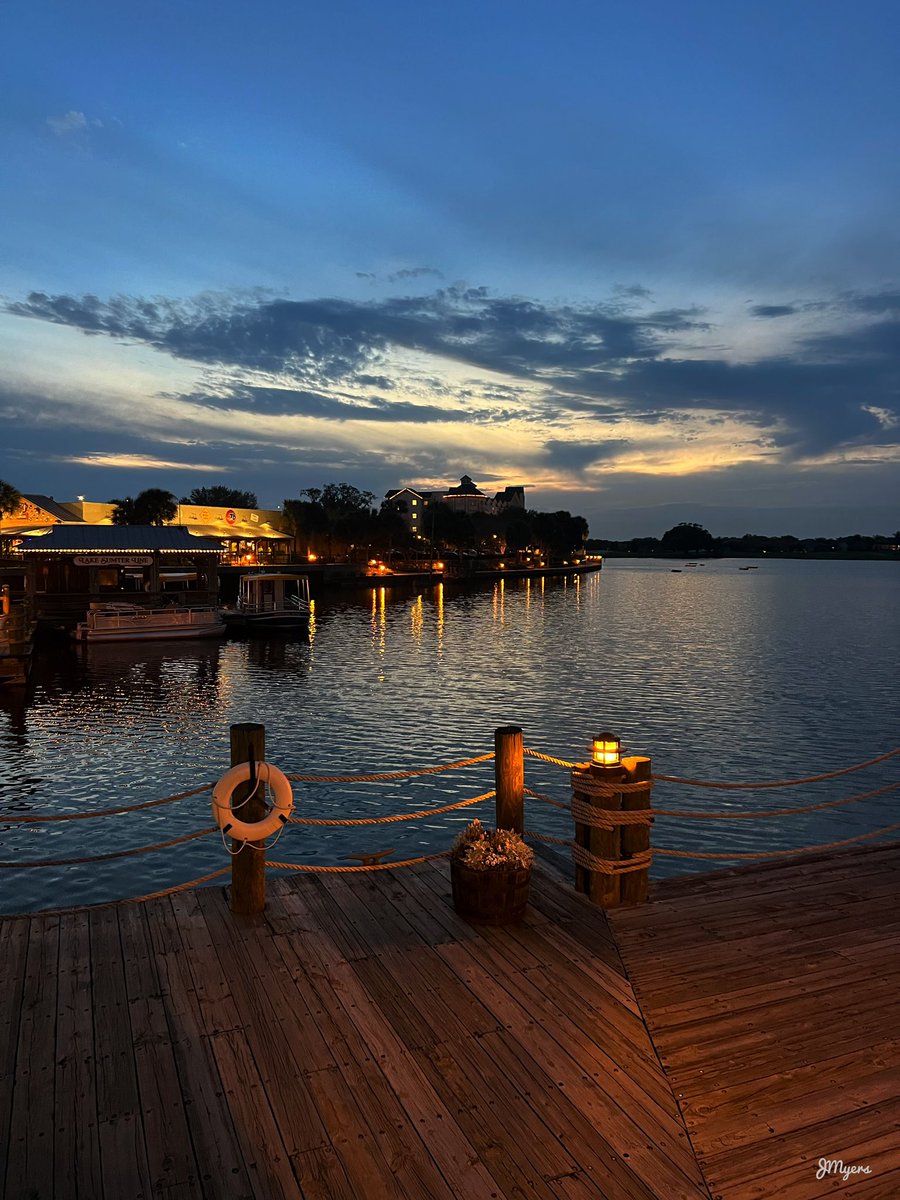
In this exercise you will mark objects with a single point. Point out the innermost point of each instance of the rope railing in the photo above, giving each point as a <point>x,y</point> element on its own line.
<point>779,783</point>
<point>92,858</point>
<point>104,812</point>
<point>30,819</point>
<point>427,812</point>
<point>748,854</point>
<point>583,857</point>
<point>695,814</point>
<point>548,758</point>
<point>88,908</point>
<point>389,775</point>
<point>389,866</point>
<point>590,790</point>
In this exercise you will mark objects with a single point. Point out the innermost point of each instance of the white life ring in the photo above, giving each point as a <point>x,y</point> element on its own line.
<point>252,831</point>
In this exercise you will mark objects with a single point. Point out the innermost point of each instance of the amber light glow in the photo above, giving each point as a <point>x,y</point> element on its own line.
<point>606,750</point>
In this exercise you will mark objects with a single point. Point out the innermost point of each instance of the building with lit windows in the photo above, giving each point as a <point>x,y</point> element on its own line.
<point>247,536</point>
<point>413,504</point>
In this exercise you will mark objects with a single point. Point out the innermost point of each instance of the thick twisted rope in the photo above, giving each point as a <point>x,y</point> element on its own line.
<point>777,812</point>
<point>406,862</point>
<point>82,908</point>
<point>777,783</point>
<point>125,808</point>
<point>548,758</point>
<point>105,812</point>
<point>861,837</point>
<point>591,785</point>
<point>608,818</point>
<point>639,861</point>
<point>463,762</point>
<point>548,799</point>
<point>69,862</point>
<point>428,812</point>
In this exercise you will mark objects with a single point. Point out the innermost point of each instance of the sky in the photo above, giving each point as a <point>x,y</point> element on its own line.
<point>641,257</point>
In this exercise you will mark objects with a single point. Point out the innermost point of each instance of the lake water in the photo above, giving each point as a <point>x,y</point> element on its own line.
<point>716,673</point>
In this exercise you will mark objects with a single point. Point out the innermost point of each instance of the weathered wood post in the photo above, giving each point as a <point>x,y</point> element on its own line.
<point>509,774</point>
<point>636,838</point>
<point>605,843</point>
<point>248,869</point>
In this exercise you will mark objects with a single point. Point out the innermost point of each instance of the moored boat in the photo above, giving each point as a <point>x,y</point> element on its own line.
<point>276,602</point>
<point>132,623</point>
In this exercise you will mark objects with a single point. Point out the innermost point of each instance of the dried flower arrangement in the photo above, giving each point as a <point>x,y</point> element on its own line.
<point>481,849</point>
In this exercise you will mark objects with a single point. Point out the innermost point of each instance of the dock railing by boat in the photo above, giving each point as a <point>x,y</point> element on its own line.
<point>609,806</point>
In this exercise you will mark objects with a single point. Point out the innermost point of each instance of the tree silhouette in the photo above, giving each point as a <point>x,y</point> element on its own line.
<point>155,506</point>
<point>10,499</point>
<point>220,496</point>
<point>687,538</point>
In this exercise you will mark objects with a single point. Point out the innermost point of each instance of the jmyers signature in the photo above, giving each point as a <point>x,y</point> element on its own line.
<point>835,1166</point>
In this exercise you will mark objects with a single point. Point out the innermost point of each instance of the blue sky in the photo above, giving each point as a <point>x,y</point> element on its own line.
<point>641,257</point>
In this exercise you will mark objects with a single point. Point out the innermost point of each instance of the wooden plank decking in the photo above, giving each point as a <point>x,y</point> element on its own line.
<point>357,1041</point>
<point>773,997</point>
<point>361,1041</point>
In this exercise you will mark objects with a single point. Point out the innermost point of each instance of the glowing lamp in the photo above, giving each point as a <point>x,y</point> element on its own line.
<point>311,557</point>
<point>606,750</point>
<point>439,566</point>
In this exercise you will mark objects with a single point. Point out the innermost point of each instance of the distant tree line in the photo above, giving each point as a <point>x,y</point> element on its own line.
<point>689,539</point>
<point>339,520</point>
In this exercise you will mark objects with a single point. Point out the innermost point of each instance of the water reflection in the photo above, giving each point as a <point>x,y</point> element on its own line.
<point>439,604</point>
<point>715,674</point>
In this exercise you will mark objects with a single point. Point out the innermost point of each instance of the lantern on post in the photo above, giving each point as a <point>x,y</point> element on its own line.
<point>606,750</point>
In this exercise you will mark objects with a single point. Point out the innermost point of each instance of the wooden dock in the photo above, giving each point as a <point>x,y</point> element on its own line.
<point>772,994</point>
<point>359,1040</point>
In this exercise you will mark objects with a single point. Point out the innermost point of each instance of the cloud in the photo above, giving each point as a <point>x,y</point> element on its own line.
<point>604,361</point>
<point>773,310</point>
<point>414,273</point>
<point>337,407</point>
<point>136,462</point>
<point>576,456</point>
<point>69,123</point>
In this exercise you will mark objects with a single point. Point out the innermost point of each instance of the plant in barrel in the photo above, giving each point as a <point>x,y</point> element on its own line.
<point>490,870</point>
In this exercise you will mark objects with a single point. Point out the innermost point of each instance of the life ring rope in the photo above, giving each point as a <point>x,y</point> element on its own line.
<point>252,831</point>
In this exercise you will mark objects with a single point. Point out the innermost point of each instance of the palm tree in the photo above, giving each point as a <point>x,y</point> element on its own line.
<point>124,511</point>
<point>155,506</point>
<point>10,499</point>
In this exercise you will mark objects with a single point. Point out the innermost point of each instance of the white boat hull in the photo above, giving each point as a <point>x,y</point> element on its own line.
<point>132,624</point>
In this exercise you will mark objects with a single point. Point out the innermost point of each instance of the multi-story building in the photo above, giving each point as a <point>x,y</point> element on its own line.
<point>413,504</point>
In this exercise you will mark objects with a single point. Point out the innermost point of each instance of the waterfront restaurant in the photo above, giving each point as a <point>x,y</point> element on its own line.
<point>249,536</point>
<point>69,567</point>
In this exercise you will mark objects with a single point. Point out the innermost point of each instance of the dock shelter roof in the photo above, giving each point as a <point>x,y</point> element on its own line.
<point>118,539</point>
<point>241,533</point>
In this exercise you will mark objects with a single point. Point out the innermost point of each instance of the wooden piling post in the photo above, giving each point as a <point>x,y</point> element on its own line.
<point>509,773</point>
<point>601,889</point>
<point>636,838</point>
<point>248,868</point>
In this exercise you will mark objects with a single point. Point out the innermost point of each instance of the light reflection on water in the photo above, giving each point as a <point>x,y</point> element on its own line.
<point>716,673</point>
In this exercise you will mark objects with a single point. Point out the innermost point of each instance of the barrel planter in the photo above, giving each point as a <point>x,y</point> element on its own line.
<point>495,896</point>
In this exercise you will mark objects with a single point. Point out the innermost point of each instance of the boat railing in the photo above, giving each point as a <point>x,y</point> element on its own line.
<point>129,617</point>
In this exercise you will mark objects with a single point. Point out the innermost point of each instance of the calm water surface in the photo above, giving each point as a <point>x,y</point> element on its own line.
<point>716,673</point>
